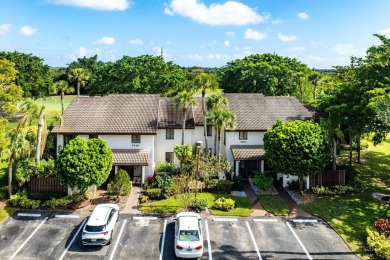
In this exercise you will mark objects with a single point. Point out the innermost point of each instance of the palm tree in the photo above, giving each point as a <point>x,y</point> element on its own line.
<point>19,146</point>
<point>315,78</point>
<point>205,81</point>
<point>31,111</point>
<point>216,101</point>
<point>221,119</point>
<point>81,76</point>
<point>184,100</point>
<point>63,87</point>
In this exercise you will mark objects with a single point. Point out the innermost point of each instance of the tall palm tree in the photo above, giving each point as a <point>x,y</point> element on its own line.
<point>63,87</point>
<point>222,119</point>
<point>205,81</point>
<point>216,101</point>
<point>184,100</point>
<point>81,76</point>
<point>315,78</point>
<point>32,111</point>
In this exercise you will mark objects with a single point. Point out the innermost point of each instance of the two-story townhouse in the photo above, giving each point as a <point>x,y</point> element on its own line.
<point>142,129</point>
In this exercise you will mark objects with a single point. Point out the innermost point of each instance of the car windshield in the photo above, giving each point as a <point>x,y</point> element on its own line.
<point>189,235</point>
<point>94,228</point>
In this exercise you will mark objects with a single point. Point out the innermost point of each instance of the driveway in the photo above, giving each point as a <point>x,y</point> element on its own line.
<point>48,235</point>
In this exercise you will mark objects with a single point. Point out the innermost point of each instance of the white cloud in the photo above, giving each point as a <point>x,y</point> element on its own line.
<point>81,52</point>
<point>105,40</point>
<point>230,33</point>
<point>5,28</point>
<point>27,30</point>
<point>385,32</point>
<point>228,13</point>
<point>286,38</point>
<point>298,49</point>
<point>254,35</point>
<point>107,5</point>
<point>303,16</point>
<point>346,49</point>
<point>226,43</point>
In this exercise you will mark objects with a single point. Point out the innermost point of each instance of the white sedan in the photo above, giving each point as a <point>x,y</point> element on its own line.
<point>100,225</point>
<point>188,235</point>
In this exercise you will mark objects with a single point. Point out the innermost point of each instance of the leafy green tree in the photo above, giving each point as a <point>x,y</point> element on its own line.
<point>62,87</point>
<point>10,93</point>
<point>183,153</point>
<point>269,74</point>
<point>35,78</point>
<point>145,74</point>
<point>297,148</point>
<point>205,81</point>
<point>184,100</point>
<point>80,76</point>
<point>4,140</point>
<point>82,163</point>
<point>222,119</point>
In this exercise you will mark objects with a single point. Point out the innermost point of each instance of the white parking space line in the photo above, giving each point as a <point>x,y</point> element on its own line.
<point>163,240</point>
<point>74,237</point>
<point>66,216</point>
<point>225,219</point>
<point>147,218</point>
<point>299,241</point>
<point>253,240</point>
<point>265,220</point>
<point>25,242</point>
<point>29,215</point>
<point>117,241</point>
<point>208,240</point>
<point>305,220</point>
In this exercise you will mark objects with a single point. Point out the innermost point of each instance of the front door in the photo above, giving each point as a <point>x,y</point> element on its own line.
<point>250,167</point>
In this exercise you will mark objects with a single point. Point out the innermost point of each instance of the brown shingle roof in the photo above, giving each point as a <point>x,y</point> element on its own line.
<point>113,114</point>
<point>255,112</point>
<point>131,156</point>
<point>248,152</point>
<point>169,116</point>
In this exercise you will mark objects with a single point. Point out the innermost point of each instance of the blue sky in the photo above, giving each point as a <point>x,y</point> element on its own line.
<point>208,33</point>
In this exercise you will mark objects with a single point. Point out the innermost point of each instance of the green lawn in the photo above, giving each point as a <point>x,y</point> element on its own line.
<point>350,214</point>
<point>274,204</point>
<point>173,205</point>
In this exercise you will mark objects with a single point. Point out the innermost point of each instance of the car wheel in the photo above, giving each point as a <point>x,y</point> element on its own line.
<point>109,241</point>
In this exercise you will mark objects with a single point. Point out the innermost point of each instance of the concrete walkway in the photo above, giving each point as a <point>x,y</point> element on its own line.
<point>133,201</point>
<point>295,210</point>
<point>258,210</point>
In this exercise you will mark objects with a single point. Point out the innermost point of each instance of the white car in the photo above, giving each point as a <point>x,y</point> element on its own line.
<point>188,235</point>
<point>100,225</point>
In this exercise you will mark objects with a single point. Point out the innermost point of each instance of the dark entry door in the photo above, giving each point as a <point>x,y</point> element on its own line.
<point>251,166</point>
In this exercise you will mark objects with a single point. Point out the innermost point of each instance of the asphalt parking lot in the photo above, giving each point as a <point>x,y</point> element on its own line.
<point>48,235</point>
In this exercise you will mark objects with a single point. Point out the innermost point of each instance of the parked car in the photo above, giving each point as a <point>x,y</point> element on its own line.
<point>188,235</point>
<point>100,225</point>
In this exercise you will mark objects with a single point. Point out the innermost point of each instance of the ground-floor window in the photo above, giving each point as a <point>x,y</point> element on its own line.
<point>169,157</point>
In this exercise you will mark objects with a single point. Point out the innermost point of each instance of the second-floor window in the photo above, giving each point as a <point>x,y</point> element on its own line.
<point>209,130</point>
<point>170,134</point>
<point>136,139</point>
<point>243,135</point>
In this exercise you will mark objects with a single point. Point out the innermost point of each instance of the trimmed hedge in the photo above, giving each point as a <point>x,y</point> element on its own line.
<point>154,193</point>
<point>120,185</point>
<point>224,204</point>
<point>219,185</point>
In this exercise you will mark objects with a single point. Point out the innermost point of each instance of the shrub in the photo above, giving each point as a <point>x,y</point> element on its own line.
<point>219,185</point>
<point>154,193</point>
<point>64,201</point>
<point>23,201</point>
<point>199,205</point>
<point>378,243</point>
<point>144,199</point>
<point>238,183</point>
<point>224,204</point>
<point>263,180</point>
<point>88,194</point>
<point>333,190</point>
<point>166,167</point>
<point>44,195</point>
<point>180,184</point>
<point>383,227</point>
<point>165,184</point>
<point>120,185</point>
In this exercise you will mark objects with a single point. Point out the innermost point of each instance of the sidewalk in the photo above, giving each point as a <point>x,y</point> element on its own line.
<point>132,202</point>
<point>257,207</point>
<point>295,210</point>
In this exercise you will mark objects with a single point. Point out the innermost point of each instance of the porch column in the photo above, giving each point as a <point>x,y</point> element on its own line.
<point>262,166</point>
<point>116,169</point>
<point>143,175</point>
<point>237,167</point>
